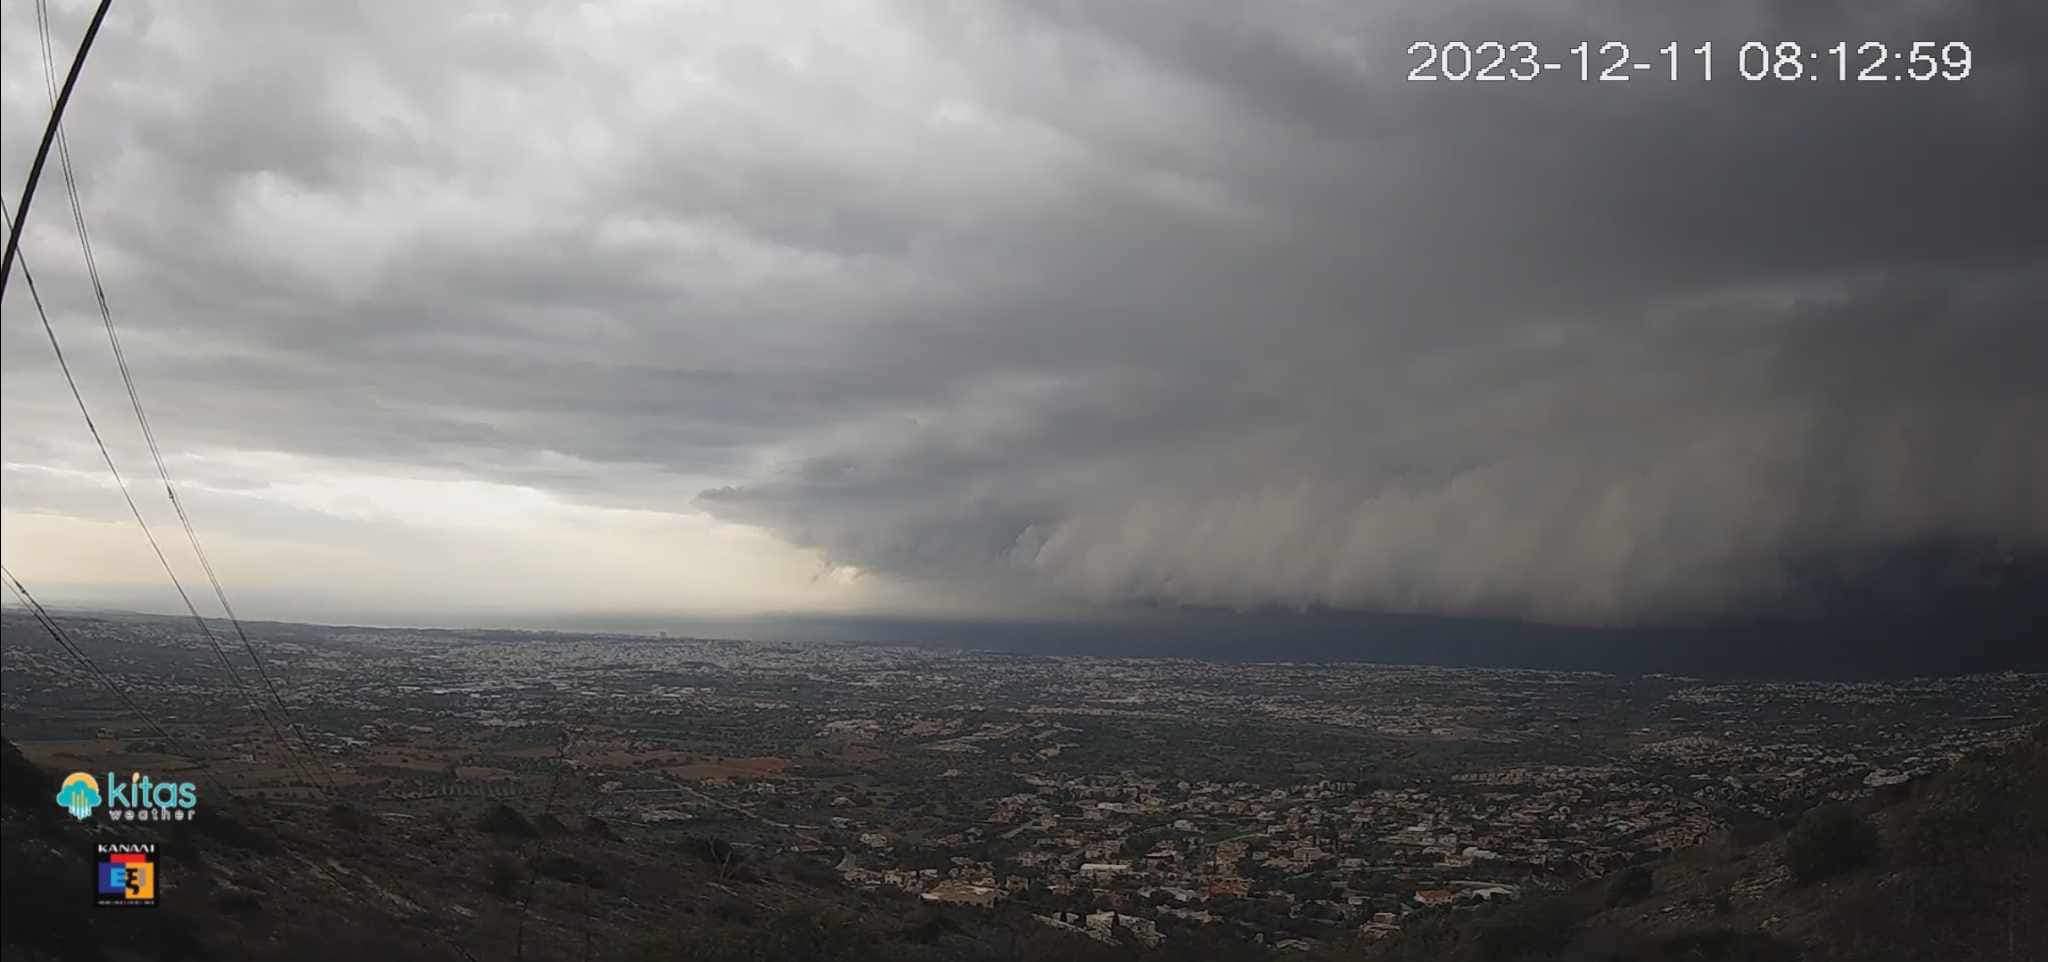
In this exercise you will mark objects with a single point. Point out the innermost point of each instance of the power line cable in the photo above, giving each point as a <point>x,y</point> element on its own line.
<point>122,483</point>
<point>142,416</point>
<point>35,170</point>
<point>56,631</point>
<point>586,870</point>
<point>532,856</point>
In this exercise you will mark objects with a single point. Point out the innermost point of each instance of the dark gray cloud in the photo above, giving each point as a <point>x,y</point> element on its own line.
<point>1161,301</point>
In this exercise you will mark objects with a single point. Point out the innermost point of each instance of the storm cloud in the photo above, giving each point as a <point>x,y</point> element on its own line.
<point>1030,308</point>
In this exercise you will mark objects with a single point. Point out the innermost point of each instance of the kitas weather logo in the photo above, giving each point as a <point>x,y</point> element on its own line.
<point>138,799</point>
<point>79,794</point>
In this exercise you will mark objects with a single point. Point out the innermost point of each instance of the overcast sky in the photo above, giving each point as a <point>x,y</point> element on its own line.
<point>461,312</point>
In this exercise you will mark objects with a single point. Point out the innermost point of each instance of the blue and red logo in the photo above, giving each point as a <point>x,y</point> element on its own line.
<point>125,874</point>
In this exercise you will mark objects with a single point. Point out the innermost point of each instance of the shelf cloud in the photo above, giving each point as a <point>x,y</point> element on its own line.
<point>1024,309</point>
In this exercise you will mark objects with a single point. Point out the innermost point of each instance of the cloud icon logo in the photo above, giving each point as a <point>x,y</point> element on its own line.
<point>79,794</point>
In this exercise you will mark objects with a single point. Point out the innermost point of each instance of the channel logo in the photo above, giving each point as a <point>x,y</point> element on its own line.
<point>138,799</point>
<point>125,874</point>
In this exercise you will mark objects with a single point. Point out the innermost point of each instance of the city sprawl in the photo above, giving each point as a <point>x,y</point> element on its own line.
<point>1277,802</point>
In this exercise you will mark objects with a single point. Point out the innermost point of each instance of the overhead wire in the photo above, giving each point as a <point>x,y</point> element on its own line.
<point>35,167</point>
<point>141,414</point>
<point>533,855</point>
<point>120,482</point>
<point>586,870</point>
<point>53,132</point>
<point>56,631</point>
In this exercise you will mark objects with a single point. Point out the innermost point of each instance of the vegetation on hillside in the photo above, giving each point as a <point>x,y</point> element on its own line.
<point>1951,869</point>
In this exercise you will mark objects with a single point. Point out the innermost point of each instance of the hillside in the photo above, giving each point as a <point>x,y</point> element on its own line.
<point>1953,872</point>
<point>263,881</point>
<point>1952,869</point>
